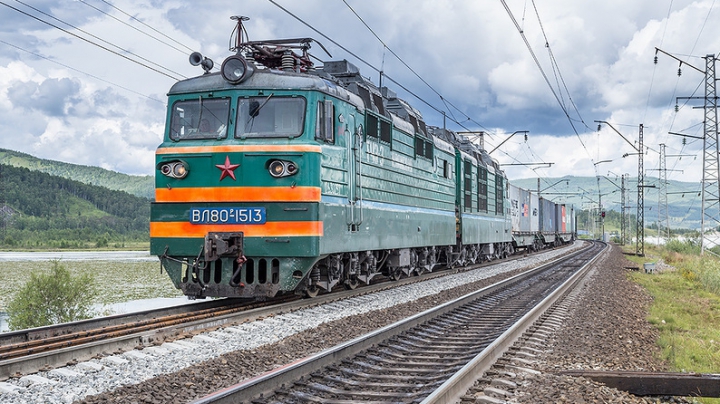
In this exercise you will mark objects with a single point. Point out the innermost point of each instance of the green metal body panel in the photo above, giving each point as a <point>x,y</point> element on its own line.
<point>393,199</point>
<point>477,229</point>
<point>477,225</point>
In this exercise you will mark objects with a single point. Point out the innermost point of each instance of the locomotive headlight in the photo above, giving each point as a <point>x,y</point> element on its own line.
<point>236,69</point>
<point>174,169</point>
<point>282,168</point>
<point>179,171</point>
<point>277,168</point>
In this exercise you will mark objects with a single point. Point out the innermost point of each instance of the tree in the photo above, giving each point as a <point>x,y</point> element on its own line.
<point>52,298</point>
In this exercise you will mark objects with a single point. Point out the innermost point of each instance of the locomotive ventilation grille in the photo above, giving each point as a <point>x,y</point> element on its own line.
<point>254,271</point>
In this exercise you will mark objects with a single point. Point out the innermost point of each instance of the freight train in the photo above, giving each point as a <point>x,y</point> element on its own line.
<point>276,176</point>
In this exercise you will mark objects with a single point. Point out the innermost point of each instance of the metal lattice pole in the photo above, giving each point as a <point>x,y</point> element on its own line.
<point>623,229</point>
<point>640,230</point>
<point>662,196</point>
<point>711,185</point>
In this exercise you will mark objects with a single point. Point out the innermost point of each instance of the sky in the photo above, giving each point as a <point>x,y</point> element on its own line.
<point>85,81</point>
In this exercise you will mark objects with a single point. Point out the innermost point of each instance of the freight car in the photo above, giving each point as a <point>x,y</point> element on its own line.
<point>275,176</point>
<point>537,222</point>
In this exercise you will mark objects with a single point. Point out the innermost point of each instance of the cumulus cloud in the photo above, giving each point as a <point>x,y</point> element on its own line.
<point>67,99</point>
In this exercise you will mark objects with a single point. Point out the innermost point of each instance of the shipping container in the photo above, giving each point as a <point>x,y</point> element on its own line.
<point>547,216</point>
<point>534,213</point>
<point>514,193</point>
<point>560,218</point>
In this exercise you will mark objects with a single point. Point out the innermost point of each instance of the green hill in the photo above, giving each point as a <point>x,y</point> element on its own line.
<point>46,211</point>
<point>142,186</point>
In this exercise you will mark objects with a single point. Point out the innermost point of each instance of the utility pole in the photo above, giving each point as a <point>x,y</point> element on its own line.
<point>640,230</point>
<point>662,196</point>
<point>640,226</point>
<point>710,182</point>
<point>663,216</point>
<point>623,230</point>
<point>620,187</point>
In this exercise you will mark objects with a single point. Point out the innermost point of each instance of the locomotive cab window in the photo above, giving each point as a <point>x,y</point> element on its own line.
<point>270,116</point>
<point>200,118</point>
<point>324,129</point>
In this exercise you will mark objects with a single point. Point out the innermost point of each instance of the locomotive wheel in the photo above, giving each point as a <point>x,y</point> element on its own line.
<point>396,274</point>
<point>351,284</point>
<point>312,291</point>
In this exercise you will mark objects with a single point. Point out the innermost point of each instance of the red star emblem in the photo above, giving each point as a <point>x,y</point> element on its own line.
<point>227,168</point>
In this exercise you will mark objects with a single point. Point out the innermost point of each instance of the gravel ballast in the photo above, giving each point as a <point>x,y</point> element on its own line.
<point>189,369</point>
<point>603,328</point>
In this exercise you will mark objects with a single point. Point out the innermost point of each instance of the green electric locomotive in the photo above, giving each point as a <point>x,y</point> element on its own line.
<point>275,176</point>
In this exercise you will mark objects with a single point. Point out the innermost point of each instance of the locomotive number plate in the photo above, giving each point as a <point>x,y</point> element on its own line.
<point>227,215</point>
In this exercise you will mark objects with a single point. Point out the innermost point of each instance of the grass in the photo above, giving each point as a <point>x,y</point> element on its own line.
<point>685,309</point>
<point>118,281</point>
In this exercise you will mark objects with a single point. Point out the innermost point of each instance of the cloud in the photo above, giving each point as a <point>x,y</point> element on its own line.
<point>53,97</point>
<point>84,104</point>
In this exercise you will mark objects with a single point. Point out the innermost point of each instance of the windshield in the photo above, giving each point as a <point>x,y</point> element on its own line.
<point>200,119</point>
<point>270,116</point>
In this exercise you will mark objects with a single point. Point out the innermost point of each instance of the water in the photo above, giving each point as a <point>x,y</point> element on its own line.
<point>77,256</point>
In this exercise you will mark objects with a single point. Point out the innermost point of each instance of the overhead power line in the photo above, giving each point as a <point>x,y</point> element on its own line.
<point>443,99</point>
<point>379,71</point>
<point>542,71</point>
<point>188,49</point>
<point>91,42</point>
<point>82,72</point>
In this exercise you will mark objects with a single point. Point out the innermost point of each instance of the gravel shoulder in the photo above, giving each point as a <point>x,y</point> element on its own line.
<point>606,330</point>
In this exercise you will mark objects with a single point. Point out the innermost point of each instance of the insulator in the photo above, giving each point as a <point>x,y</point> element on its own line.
<point>249,56</point>
<point>288,62</point>
<point>679,72</point>
<point>684,141</point>
<point>599,127</point>
<point>677,108</point>
<point>655,60</point>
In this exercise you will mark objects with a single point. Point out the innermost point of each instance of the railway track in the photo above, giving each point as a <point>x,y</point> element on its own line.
<point>28,351</point>
<point>433,356</point>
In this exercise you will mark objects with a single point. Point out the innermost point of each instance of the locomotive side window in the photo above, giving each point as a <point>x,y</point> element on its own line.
<point>424,148</point>
<point>499,195</point>
<point>324,129</point>
<point>371,125</point>
<point>385,130</point>
<point>482,189</point>
<point>468,186</point>
<point>200,119</point>
<point>270,116</point>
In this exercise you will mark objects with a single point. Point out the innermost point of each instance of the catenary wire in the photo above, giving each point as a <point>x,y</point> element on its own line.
<point>436,109</point>
<point>90,42</point>
<point>537,63</point>
<point>143,23</point>
<point>443,99</point>
<point>82,72</point>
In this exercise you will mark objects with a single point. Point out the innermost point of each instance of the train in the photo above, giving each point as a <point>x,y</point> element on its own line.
<point>276,176</point>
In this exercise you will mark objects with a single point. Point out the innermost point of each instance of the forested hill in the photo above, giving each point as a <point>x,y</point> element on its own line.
<point>41,210</point>
<point>142,186</point>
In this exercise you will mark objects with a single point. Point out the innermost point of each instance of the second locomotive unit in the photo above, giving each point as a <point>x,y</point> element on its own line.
<point>275,176</point>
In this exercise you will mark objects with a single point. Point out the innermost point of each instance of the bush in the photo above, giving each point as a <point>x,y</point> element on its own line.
<point>52,298</point>
<point>689,246</point>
